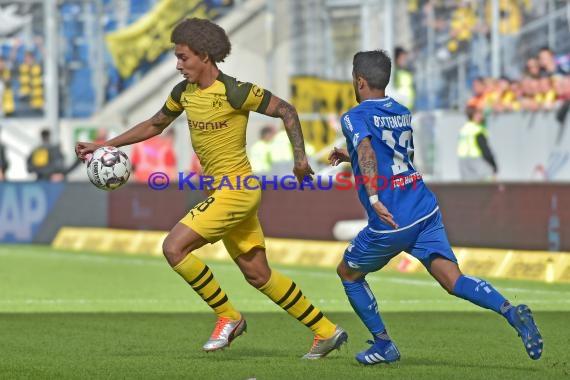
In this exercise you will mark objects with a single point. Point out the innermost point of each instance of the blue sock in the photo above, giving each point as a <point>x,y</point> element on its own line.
<point>481,293</point>
<point>364,304</point>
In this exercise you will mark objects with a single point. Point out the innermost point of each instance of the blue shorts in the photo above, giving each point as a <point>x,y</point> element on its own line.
<point>371,251</point>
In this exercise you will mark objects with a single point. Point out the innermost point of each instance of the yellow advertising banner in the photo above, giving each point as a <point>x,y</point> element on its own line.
<point>149,37</point>
<point>325,100</point>
<point>528,265</point>
<point>311,94</point>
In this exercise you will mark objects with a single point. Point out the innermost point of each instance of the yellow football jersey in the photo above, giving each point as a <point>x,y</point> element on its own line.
<point>217,118</point>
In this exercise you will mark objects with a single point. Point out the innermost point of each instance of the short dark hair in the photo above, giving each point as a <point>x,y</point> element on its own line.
<point>267,130</point>
<point>45,134</point>
<point>545,48</point>
<point>398,51</point>
<point>373,66</point>
<point>470,112</point>
<point>203,37</point>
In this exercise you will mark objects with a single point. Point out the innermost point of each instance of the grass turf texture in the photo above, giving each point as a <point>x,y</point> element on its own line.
<point>77,315</point>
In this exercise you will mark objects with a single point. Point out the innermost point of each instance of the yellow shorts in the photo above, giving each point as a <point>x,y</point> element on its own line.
<point>230,215</point>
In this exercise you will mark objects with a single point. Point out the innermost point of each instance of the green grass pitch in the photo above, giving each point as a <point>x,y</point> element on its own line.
<point>83,315</point>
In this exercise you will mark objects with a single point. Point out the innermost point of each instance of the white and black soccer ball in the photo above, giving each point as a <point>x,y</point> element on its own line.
<point>109,168</point>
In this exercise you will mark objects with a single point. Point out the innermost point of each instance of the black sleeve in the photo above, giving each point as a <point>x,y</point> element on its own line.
<point>31,168</point>
<point>3,159</point>
<point>56,164</point>
<point>174,100</point>
<point>486,151</point>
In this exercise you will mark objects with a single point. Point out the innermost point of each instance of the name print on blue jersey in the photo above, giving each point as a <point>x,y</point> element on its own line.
<point>398,121</point>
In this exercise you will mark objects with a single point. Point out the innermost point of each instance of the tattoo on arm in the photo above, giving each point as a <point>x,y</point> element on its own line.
<point>161,120</point>
<point>279,108</point>
<point>368,164</point>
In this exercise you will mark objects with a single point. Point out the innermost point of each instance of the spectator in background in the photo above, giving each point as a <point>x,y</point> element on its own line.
<point>532,68</point>
<point>510,22</point>
<point>6,93</point>
<point>495,93</point>
<point>478,99</point>
<point>476,161</point>
<point>403,79</point>
<point>511,98</point>
<point>562,89</point>
<point>546,97</point>
<point>260,152</point>
<point>31,85</point>
<point>461,27</point>
<point>46,160</point>
<point>531,98</point>
<point>495,89</point>
<point>155,155</point>
<point>3,162</point>
<point>549,67</point>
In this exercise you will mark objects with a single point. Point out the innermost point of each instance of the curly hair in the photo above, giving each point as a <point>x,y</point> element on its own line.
<point>203,37</point>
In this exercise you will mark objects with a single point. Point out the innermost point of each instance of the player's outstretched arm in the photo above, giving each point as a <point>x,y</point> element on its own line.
<point>140,132</point>
<point>369,169</point>
<point>279,108</point>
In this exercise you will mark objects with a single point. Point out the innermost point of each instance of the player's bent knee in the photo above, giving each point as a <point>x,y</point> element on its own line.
<point>448,287</point>
<point>340,271</point>
<point>446,282</point>
<point>347,274</point>
<point>172,252</point>
<point>254,267</point>
<point>446,272</point>
<point>258,280</point>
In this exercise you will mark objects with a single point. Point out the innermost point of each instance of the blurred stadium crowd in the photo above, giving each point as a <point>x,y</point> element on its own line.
<point>544,86</point>
<point>454,33</point>
<point>458,33</point>
<point>22,53</point>
<point>448,54</point>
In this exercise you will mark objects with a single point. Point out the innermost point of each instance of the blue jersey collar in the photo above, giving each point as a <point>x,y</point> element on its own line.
<point>377,99</point>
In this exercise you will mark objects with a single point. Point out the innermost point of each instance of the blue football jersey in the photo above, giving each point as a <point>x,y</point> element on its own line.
<point>400,187</point>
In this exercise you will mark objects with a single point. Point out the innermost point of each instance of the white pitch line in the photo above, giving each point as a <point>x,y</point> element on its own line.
<point>423,283</point>
<point>130,301</point>
<point>78,256</point>
<point>154,261</point>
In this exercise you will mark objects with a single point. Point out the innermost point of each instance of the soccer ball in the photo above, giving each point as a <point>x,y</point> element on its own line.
<point>109,168</point>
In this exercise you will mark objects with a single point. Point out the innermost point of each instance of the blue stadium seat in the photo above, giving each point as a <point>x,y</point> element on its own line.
<point>20,54</point>
<point>82,94</point>
<point>6,49</point>
<point>110,25</point>
<point>75,51</point>
<point>83,53</point>
<point>138,8</point>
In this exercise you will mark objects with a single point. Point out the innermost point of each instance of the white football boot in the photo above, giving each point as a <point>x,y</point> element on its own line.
<point>322,347</point>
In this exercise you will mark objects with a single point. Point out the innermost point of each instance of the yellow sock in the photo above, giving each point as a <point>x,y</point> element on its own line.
<point>201,279</point>
<point>285,293</point>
